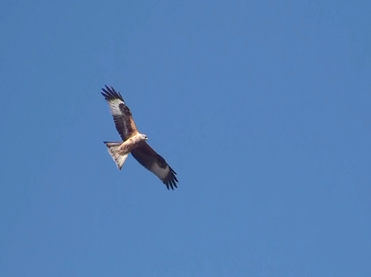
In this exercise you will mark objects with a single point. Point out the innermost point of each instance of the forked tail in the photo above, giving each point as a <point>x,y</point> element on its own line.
<point>113,150</point>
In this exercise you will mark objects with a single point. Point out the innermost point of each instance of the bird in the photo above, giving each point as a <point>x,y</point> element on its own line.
<point>134,142</point>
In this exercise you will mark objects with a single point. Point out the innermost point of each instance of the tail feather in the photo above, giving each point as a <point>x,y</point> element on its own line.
<point>113,150</point>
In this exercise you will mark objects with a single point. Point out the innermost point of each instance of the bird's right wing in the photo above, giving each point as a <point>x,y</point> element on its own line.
<point>121,113</point>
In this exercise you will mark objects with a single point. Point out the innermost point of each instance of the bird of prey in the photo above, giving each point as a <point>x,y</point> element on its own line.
<point>133,141</point>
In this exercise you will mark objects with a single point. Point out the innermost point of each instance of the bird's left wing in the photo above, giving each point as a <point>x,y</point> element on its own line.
<point>148,158</point>
<point>121,113</point>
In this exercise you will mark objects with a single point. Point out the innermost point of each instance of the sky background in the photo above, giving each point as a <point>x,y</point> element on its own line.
<point>261,107</point>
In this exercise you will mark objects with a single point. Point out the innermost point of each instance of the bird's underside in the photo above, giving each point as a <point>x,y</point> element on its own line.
<point>134,142</point>
<point>119,151</point>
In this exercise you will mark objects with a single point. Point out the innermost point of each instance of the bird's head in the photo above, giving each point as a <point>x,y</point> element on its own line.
<point>144,137</point>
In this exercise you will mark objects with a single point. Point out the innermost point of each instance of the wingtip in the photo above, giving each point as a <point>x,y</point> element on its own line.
<point>109,93</point>
<point>171,184</point>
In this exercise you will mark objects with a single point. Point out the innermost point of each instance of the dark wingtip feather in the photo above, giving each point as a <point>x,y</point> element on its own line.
<point>171,185</point>
<point>172,170</point>
<point>109,93</point>
<point>171,181</point>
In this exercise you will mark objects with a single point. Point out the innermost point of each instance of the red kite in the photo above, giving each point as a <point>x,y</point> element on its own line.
<point>133,141</point>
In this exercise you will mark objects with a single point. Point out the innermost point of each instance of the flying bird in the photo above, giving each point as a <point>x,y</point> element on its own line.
<point>133,141</point>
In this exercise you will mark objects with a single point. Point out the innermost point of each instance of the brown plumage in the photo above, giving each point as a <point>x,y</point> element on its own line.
<point>138,147</point>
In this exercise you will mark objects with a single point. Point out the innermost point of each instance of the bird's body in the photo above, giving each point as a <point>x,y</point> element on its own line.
<point>131,143</point>
<point>134,142</point>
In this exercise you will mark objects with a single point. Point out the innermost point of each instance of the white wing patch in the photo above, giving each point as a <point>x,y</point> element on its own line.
<point>160,172</point>
<point>114,106</point>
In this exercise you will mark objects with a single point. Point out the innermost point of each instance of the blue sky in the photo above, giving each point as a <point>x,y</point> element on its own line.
<point>261,107</point>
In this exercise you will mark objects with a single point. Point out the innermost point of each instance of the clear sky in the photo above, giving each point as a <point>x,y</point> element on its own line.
<point>261,107</point>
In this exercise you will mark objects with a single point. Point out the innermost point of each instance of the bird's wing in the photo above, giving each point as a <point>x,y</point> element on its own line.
<point>121,113</point>
<point>148,158</point>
